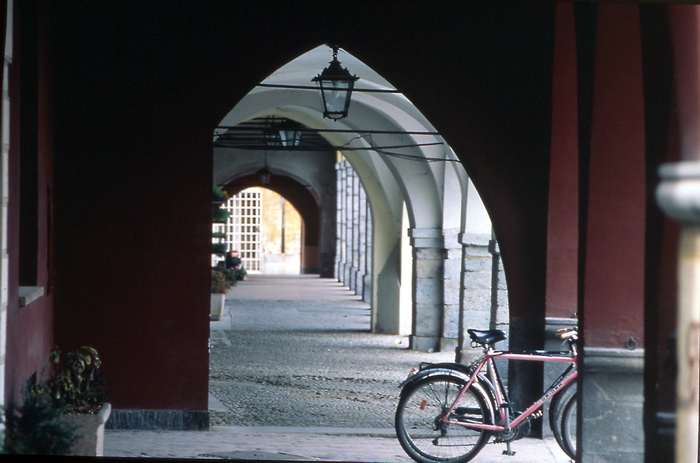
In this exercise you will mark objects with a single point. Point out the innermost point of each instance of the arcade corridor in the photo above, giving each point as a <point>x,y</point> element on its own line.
<point>574,124</point>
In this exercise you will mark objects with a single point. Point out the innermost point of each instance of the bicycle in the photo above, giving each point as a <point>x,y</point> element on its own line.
<point>447,412</point>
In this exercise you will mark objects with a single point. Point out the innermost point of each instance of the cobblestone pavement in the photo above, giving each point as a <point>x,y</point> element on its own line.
<point>295,374</point>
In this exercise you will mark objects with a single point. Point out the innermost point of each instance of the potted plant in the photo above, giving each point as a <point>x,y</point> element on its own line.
<point>220,215</point>
<point>220,285</point>
<point>35,427</point>
<point>218,248</point>
<point>219,196</point>
<point>240,273</point>
<point>76,388</point>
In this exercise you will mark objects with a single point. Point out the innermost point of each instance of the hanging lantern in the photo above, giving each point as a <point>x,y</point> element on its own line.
<point>336,84</point>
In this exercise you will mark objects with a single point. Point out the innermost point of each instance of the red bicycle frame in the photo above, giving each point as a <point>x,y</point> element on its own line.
<point>493,376</point>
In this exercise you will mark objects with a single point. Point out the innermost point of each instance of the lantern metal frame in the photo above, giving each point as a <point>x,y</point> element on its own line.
<point>336,85</point>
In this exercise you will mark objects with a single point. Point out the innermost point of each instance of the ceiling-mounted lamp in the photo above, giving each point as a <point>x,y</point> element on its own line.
<point>336,84</point>
<point>264,175</point>
<point>290,133</point>
<point>282,132</point>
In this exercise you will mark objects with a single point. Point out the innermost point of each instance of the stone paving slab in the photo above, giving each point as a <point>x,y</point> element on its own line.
<point>299,444</point>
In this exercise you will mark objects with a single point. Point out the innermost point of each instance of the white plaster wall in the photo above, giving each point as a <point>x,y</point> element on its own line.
<point>4,198</point>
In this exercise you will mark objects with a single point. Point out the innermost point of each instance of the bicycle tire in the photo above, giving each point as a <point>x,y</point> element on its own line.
<point>569,426</point>
<point>426,440</point>
<point>556,408</point>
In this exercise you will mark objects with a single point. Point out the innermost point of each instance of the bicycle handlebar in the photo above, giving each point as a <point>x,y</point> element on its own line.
<point>568,333</point>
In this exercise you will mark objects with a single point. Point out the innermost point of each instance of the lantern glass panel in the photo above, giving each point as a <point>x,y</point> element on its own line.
<point>336,95</point>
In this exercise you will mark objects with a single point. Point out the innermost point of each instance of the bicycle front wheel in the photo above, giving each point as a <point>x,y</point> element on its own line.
<point>423,434</point>
<point>556,410</point>
<point>569,427</point>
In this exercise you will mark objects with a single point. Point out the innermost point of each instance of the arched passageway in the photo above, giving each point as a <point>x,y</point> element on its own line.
<point>406,213</point>
<point>317,253</point>
<point>115,110</point>
<point>263,229</point>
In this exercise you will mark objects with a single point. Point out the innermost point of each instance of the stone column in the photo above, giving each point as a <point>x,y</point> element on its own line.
<point>478,289</point>
<point>347,225</point>
<point>428,287</point>
<point>679,197</point>
<point>451,291</point>
<point>362,241</point>
<point>612,393</point>
<point>355,231</point>
<point>340,217</point>
<point>354,225</point>
<point>367,286</point>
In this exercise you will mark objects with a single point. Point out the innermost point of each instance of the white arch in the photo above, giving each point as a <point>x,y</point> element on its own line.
<point>437,195</point>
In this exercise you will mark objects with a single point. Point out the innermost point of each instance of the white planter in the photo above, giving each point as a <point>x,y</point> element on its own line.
<point>217,306</point>
<point>90,430</point>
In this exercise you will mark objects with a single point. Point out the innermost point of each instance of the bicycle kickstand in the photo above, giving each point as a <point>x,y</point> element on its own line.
<point>508,451</point>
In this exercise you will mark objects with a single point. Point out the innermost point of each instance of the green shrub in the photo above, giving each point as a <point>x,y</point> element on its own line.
<point>35,427</point>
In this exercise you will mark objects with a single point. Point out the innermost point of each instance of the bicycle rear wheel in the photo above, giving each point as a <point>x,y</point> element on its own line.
<point>569,427</point>
<point>427,439</point>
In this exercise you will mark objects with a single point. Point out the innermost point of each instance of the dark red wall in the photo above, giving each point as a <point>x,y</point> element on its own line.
<point>30,173</point>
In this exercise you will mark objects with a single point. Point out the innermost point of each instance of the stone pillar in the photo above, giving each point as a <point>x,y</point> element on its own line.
<point>347,208</point>
<point>678,196</point>
<point>613,395</point>
<point>341,169</point>
<point>428,286</point>
<point>355,231</point>
<point>4,201</point>
<point>367,286</point>
<point>479,291</point>
<point>451,291</point>
<point>362,241</point>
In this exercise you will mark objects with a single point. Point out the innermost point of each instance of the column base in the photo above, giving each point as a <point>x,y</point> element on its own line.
<point>425,343</point>
<point>612,385</point>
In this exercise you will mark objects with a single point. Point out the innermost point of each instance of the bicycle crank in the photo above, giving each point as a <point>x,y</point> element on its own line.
<point>522,430</point>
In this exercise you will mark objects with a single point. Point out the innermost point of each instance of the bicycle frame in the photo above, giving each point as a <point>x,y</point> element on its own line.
<point>493,375</point>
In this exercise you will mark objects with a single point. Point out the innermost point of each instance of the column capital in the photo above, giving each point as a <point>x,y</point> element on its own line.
<point>426,237</point>
<point>678,194</point>
<point>474,239</point>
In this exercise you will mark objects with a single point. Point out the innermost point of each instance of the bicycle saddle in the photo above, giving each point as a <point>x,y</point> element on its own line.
<point>489,337</point>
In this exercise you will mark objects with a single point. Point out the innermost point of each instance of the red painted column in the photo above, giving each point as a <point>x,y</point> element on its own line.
<point>614,257</point>
<point>611,392</point>
<point>563,221</point>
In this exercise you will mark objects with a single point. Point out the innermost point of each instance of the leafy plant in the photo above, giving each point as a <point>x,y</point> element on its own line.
<point>220,283</point>
<point>239,273</point>
<point>218,195</point>
<point>220,215</point>
<point>77,384</point>
<point>35,427</point>
<point>218,248</point>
